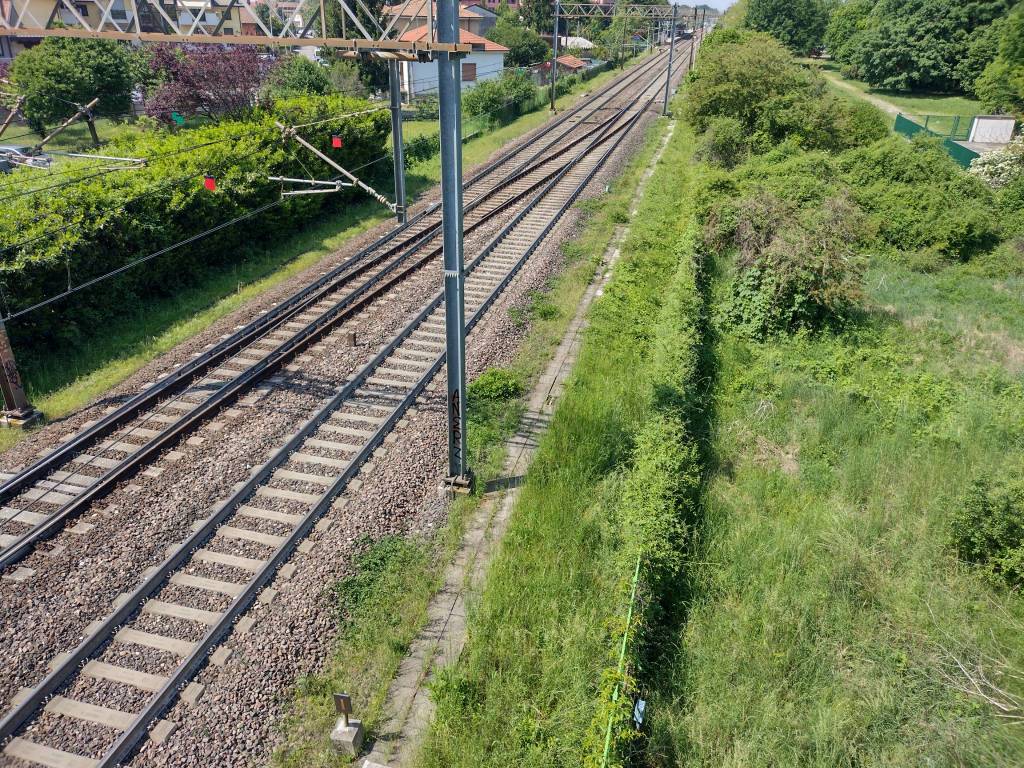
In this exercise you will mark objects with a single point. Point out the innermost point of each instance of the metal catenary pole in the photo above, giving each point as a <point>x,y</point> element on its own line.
<point>671,53</point>
<point>554,57</point>
<point>394,86</point>
<point>450,97</point>
<point>693,38</point>
<point>16,403</point>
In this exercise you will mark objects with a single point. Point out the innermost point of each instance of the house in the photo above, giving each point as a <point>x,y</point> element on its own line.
<point>490,17</point>
<point>414,15</point>
<point>567,65</point>
<point>485,62</point>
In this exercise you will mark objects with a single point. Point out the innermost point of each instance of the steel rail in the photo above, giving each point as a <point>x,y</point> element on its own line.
<point>295,304</point>
<point>63,671</point>
<point>342,310</point>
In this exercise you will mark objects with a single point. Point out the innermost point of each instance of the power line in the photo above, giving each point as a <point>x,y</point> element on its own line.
<point>125,267</point>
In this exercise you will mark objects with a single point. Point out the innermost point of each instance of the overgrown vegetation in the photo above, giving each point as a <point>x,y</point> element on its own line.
<point>607,487</point>
<point>852,585</point>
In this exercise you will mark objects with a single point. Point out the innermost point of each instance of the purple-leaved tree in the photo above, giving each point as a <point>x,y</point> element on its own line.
<point>209,80</point>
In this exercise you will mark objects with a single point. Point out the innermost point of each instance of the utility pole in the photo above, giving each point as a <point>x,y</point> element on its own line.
<point>450,98</point>
<point>394,87</point>
<point>622,45</point>
<point>554,57</point>
<point>693,38</point>
<point>671,53</point>
<point>10,117</point>
<point>18,411</point>
<point>82,112</point>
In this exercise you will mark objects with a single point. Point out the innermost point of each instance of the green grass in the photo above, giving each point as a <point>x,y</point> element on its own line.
<point>525,690</point>
<point>909,103</point>
<point>68,379</point>
<point>829,618</point>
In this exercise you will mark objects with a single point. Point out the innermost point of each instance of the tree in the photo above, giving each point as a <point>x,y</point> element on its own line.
<point>1001,85</point>
<point>845,24</point>
<point>372,71</point>
<point>798,24</point>
<point>920,45</point>
<point>204,80</point>
<point>538,15</point>
<point>60,73</point>
<point>296,76</point>
<point>344,77</point>
<point>525,47</point>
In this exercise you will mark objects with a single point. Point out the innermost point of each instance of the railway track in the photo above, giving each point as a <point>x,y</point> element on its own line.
<point>39,501</point>
<point>207,582</point>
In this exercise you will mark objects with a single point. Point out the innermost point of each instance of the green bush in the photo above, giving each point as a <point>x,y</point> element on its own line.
<point>496,384</point>
<point>500,99</point>
<point>796,269</point>
<point>297,76</point>
<point>73,233</point>
<point>986,528</point>
<point>724,143</point>
<point>920,199</point>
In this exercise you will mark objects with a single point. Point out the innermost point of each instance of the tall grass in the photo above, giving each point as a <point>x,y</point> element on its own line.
<point>525,691</point>
<point>831,620</point>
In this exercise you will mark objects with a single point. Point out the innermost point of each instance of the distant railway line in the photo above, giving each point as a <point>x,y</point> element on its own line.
<point>171,624</point>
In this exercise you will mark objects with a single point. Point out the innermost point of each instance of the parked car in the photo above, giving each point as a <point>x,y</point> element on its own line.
<point>11,157</point>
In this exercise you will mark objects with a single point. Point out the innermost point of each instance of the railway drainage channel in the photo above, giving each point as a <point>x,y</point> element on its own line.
<point>408,706</point>
<point>272,513</point>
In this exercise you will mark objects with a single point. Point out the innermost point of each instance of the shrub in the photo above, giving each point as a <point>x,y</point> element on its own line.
<point>61,72</point>
<point>986,528</point>
<point>724,143</point>
<point>920,198</point>
<point>817,120</point>
<point>297,76</point>
<point>496,384</point>
<point>344,78</point>
<point>1002,167</point>
<point>796,269</point>
<point>88,228</point>
<point>736,79</point>
<point>500,98</point>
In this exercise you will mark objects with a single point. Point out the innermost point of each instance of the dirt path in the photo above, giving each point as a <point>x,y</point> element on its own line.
<point>888,107</point>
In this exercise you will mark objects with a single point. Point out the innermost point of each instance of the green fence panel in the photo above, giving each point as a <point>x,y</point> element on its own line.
<point>961,154</point>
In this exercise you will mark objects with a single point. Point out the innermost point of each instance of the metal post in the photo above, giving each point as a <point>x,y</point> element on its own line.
<point>450,97</point>
<point>554,57</point>
<point>17,407</point>
<point>671,53</point>
<point>394,86</point>
<point>693,39</point>
<point>622,45</point>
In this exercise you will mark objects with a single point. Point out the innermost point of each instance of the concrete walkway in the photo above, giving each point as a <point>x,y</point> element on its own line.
<point>408,706</point>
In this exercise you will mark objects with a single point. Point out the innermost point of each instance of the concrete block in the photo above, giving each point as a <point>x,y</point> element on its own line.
<point>193,693</point>
<point>59,659</point>
<point>267,596</point>
<point>20,574</point>
<point>56,550</point>
<point>244,625</point>
<point>174,455</point>
<point>153,472</point>
<point>347,739</point>
<point>220,657</point>
<point>306,547</point>
<point>287,571</point>
<point>162,731</point>
<point>195,441</point>
<point>81,529</point>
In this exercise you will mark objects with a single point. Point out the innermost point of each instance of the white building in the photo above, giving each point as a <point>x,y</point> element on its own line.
<point>486,62</point>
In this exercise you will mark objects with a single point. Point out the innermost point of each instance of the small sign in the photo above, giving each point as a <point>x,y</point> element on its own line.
<point>343,705</point>
<point>209,182</point>
<point>179,119</point>
<point>336,141</point>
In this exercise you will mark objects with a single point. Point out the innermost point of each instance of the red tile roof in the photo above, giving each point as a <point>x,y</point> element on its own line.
<point>465,36</point>
<point>571,62</point>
